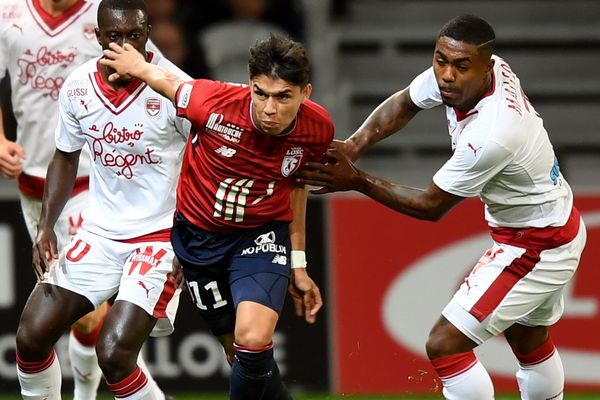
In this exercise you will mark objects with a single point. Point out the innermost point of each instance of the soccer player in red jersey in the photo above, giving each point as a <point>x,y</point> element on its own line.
<point>239,223</point>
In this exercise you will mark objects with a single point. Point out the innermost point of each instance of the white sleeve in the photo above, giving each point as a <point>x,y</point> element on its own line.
<point>68,135</point>
<point>424,91</point>
<point>471,167</point>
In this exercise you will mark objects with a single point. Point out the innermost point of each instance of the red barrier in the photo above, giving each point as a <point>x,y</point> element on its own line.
<point>392,275</point>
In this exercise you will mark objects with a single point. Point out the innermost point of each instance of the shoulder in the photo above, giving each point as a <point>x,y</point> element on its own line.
<point>314,122</point>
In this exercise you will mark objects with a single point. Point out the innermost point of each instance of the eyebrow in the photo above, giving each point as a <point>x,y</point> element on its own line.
<point>284,91</point>
<point>457,60</point>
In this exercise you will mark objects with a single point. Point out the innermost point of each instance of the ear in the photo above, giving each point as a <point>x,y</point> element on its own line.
<point>306,92</point>
<point>490,65</point>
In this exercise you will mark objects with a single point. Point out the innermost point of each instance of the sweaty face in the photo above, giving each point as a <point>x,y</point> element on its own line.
<point>275,103</point>
<point>462,73</point>
<point>123,26</point>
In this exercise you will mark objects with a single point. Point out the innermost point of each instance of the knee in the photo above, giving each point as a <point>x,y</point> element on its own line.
<point>32,344</point>
<point>446,340</point>
<point>436,345</point>
<point>252,337</point>
<point>114,357</point>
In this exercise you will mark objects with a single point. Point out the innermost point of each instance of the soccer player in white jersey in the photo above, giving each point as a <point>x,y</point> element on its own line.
<point>502,154</point>
<point>136,143</point>
<point>41,43</point>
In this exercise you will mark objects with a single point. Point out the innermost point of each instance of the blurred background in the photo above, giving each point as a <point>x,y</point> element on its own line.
<point>385,277</point>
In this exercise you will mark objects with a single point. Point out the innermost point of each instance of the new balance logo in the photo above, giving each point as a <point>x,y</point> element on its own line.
<point>279,259</point>
<point>226,151</point>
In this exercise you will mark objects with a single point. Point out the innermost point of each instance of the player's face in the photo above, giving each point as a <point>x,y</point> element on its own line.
<point>275,103</point>
<point>123,26</point>
<point>463,74</point>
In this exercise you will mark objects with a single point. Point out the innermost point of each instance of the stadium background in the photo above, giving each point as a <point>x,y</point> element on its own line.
<point>385,277</point>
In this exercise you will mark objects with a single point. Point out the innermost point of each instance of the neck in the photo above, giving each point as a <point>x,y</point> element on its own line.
<point>56,7</point>
<point>485,88</point>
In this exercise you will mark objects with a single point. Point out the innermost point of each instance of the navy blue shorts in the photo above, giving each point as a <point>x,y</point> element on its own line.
<point>223,270</point>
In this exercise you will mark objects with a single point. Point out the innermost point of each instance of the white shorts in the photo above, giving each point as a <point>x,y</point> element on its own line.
<point>68,222</point>
<point>96,268</point>
<point>516,284</point>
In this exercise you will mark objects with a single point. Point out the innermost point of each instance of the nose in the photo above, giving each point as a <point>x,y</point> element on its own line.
<point>270,106</point>
<point>448,74</point>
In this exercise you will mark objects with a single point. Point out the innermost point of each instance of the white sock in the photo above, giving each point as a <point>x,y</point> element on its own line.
<point>473,384</point>
<point>136,387</point>
<point>156,390</point>
<point>86,372</point>
<point>41,380</point>
<point>542,380</point>
<point>464,377</point>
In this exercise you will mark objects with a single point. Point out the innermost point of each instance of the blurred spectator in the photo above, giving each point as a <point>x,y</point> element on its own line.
<point>287,15</point>
<point>170,38</point>
<point>225,29</point>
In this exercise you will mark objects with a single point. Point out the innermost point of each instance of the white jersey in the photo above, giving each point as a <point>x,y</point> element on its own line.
<point>136,144</point>
<point>39,51</point>
<point>501,153</point>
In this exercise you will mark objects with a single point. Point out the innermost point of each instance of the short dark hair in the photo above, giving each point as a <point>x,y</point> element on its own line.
<point>471,29</point>
<point>279,57</point>
<point>122,5</point>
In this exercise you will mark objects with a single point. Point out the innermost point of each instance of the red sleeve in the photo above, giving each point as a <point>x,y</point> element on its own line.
<point>191,99</point>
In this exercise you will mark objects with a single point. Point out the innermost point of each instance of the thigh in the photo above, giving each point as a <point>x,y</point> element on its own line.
<point>262,250</point>
<point>49,311</point>
<point>516,285</point>
<point>89,266</point>
<point>204,257</point>
<point>147,283</point>
<point>263,288</point>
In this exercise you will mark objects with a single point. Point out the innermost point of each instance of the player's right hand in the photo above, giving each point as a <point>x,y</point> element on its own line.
<point>11,155</point>
<point>45,252</point>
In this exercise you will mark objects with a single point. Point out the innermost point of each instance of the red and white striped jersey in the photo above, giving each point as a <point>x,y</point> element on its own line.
<point>233,175</point>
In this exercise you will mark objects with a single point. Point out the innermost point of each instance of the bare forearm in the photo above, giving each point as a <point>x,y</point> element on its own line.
<point>159,79</point>
<point>60,180</point>
<point>297,227</point>
<point>407,200</point>
<point>389,117</point>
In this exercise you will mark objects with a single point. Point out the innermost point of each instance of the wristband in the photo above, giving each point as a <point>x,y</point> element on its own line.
<point>298,259</point>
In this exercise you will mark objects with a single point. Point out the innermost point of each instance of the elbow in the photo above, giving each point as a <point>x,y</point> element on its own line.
<point>434,214</point>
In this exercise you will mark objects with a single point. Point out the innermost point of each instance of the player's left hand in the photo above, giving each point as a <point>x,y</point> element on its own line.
<point>305,294</point>
<point>335,173</point>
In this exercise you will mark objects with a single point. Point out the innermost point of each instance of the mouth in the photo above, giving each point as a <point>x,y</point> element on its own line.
<point>449,92</point>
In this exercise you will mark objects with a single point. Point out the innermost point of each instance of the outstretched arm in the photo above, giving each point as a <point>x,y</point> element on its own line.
<point>389,117</point>
<point>127,61</point>
<point>60,179</point>
<point>340,174</point>
<point>305,293</point>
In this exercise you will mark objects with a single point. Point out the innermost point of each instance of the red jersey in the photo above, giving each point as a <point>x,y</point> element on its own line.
<point>233,175</point>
